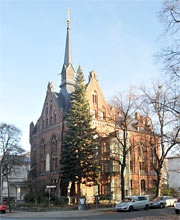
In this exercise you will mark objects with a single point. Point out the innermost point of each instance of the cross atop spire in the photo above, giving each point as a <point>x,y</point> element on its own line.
<point>68,58</point>
<point>68,12</point>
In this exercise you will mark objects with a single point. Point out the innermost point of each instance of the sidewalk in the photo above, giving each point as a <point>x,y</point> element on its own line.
<point>54,214</point>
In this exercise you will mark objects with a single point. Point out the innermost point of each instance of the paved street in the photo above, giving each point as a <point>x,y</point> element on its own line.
<point>152,214</point>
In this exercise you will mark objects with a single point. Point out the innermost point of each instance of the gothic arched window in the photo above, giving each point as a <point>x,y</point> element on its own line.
<point>95,115</point>
<point>53,144</point>
<point>42,147</point>
<point>103,114</point>
<point>95,97</point>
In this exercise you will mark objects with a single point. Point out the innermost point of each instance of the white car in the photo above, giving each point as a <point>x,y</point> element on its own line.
<point>170,201</point>
<point>177,207</point>
<point>134,202</point>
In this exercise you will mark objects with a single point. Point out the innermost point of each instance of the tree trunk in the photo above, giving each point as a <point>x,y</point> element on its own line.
<point>122,183</point>
<point>9,202</point>
<point>158,185</point>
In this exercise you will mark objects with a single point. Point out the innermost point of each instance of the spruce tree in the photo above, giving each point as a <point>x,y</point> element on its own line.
<point>79,155</point>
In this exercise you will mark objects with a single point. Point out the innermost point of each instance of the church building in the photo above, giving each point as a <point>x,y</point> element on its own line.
<point>47,134</point>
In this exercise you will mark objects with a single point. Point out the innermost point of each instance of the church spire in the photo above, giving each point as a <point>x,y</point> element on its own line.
<point>68,58</point>
<point>68,73</point>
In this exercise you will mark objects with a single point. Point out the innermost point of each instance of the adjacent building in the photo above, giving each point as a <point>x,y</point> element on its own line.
<point>17,181</point>
<point>174,172</point>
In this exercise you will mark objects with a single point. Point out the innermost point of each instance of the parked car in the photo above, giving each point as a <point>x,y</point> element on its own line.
<point>170,201</point>
<point>134,202</point>
<point>177,207</point>
<point>2,207</point>
<point>158,203</point>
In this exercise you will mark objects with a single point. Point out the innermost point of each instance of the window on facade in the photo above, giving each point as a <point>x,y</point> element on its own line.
<point>95,114</point>
<point>53,144</point>
<point>55,166</point>
<point>131,184</point>
<point>102,115</point>
<point>95,97</point>
<point>51,107</point>
<point>42,147</point>
<point>51,119</point>
<point>46,121</point>
<point>104,147</point>
<point>115,166</point>
<point>131,165</point>
<point>143,185</point>
<point>54,117</point>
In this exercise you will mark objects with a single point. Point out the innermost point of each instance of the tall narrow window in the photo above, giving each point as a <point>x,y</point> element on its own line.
<point>95,114</point>
<point>55,117</point>
<point>103,114</point>
<point>53,144</point>
<point>95,97</point>
<point>42,147</point>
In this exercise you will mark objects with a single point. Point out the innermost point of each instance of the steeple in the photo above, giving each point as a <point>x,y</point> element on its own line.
<point>67,73</point>
<point>68,58</point>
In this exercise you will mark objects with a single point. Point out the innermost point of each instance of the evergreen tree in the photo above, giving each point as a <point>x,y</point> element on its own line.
<point>79,155</point>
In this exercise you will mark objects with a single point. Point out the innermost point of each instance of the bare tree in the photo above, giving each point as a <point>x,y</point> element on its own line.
<point>165,126</point>
<point>10,150</point>
<point>170,54</point>
<point>125,106</point>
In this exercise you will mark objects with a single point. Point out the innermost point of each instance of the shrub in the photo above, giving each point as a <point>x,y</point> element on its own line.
<point>43,198</point>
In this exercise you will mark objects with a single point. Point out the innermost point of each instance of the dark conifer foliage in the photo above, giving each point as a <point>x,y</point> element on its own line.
<point>79,156</point>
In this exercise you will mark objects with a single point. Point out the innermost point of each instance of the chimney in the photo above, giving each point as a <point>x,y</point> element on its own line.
<point>137,116</point>
<point>142,119</point>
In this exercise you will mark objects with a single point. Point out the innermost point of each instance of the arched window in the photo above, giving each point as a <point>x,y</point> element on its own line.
<point>55,117</point>
<point>95,115</point>
<point>54,144</point>
<point>103,114</point>
<point>51,120</point>
<point>42,147</point>
<point>95,97</point>
<point>51,107</point>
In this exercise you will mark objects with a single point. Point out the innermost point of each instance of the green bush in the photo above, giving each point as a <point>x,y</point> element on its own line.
<point>43,198</point>
<point>30,198</point>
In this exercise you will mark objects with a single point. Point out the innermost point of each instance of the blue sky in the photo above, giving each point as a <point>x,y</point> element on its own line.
<point>116,38</point>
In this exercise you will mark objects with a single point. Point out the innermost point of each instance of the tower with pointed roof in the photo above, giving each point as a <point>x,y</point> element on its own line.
<point>67,73</point>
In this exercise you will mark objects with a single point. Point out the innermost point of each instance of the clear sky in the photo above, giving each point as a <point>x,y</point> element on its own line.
<point>116,38</point>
